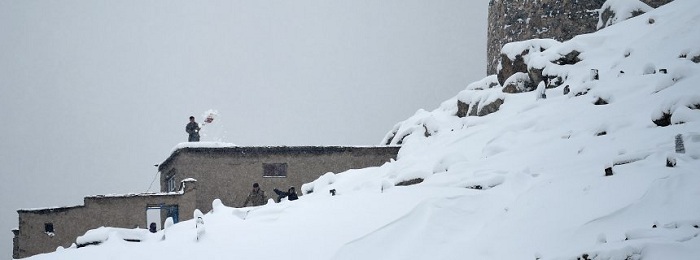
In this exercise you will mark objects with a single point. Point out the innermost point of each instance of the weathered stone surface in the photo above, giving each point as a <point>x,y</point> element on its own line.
<point>600,101</point>
<point>680,147</point>
<point>570,58</point>
<point>553,81</point>
<point>391,138</point>
<point>536,77</point>
<point>465,109</point>
<point>609,171</point>
<point>517,20</point>
<point>462,109</point>
<point>490,108</point>
<point>696,59</point>
<point>400,142</point>
<point>656,3</point>
<point>510,67</point>
<point>410,182</point>
<point>518,83</point>
<point>664,120</point>
<point>511,88</point>
<point>582,92</point>
<point>670,162</point>
<point>608,14</point>
<point>475,187</point>
<point>474,108</point>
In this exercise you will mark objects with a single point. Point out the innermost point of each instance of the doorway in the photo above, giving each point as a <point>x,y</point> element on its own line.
<point>158,213</point>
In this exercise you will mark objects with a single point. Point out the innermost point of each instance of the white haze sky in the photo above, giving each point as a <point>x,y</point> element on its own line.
<point>94,93</point>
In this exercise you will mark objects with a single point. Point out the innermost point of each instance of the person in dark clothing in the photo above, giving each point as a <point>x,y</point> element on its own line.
<point>291,194</point>
<point>192,128</point>
<point>153,228</point>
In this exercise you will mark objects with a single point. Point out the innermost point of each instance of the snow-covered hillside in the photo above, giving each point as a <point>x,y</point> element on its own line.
<point>535,173</point>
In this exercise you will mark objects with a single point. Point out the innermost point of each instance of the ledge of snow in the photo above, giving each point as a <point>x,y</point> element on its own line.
<point>201,145</point>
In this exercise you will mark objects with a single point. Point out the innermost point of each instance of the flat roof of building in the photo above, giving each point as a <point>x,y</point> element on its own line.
<point>266,150</point>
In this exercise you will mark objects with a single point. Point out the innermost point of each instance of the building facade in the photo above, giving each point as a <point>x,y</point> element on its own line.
<point>191,178</point>
<point>44,230</point>
<point>229,173</point>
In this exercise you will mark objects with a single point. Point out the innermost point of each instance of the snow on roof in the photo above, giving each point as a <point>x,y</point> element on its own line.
<point>128,195</point>
<point>230,148</point>
<point>201,145</point>
<point>48,209</point>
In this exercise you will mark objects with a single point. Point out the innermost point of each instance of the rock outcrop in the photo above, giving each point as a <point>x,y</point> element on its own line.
<point>517,20</point>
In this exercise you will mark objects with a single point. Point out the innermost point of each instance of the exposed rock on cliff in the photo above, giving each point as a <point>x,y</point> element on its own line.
<point>589,69</point>
<point>616,11</point>
<point>517,20</point>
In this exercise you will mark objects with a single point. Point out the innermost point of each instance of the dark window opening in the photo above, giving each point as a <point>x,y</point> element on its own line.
<point>48,227</point>
<point>274,169</point>
<point>170,184</point>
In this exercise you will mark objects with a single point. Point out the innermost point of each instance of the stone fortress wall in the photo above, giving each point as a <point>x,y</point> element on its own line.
<point>518,20</point>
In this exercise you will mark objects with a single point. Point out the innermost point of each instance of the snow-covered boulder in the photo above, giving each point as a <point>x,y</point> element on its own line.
<point>615,11</point>
<point>515,58</point>
<point>517,83</point>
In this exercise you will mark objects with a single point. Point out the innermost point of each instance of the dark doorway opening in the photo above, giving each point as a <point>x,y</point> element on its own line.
<point>158,213</point>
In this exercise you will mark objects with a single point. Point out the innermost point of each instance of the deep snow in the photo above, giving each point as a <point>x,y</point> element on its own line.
<point>525,182</point>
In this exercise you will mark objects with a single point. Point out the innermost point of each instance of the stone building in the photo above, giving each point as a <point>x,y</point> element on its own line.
<point>518,20</point>
<point>43,230</point>
<point>229,173</point>
<point>191,178</point>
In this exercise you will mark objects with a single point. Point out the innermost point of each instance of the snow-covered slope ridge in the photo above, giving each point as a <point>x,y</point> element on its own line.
<point>503,175</point>
<point>555,150</point>
<point>658,50</point>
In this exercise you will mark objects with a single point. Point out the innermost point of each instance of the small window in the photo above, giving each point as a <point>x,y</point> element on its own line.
<point>275,170</point>
<point>170,184</point>
<point>48,227</point>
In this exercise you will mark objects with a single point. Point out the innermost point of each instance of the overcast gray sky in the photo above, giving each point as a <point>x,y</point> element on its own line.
<point>94,93</point>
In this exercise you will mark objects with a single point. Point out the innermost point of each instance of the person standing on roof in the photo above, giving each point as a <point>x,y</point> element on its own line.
<point>192,128</point>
